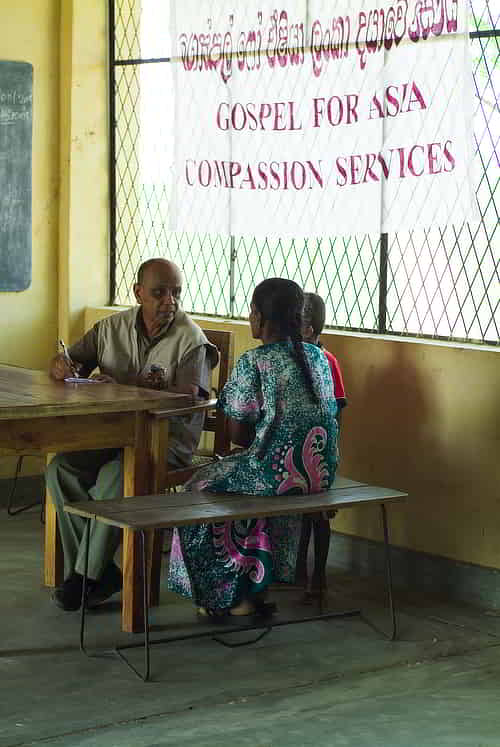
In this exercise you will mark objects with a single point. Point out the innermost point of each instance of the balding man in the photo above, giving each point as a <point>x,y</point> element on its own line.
<point>125,346</point>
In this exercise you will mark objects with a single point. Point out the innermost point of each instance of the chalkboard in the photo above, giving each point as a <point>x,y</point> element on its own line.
<point>16,107</point>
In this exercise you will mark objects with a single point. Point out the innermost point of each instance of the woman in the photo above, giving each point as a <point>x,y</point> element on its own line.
<point>281,411</point>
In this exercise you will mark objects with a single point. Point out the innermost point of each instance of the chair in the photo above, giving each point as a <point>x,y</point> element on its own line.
<point>165,479</point>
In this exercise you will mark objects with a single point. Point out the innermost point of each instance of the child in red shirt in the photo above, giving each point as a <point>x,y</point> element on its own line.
<point>338,382</point>
<point>313,323</point>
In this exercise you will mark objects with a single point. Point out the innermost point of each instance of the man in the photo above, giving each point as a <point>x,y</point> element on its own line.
<point>155,345</point>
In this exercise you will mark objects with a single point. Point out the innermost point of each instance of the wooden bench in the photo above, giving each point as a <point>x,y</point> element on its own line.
<point>142,515</point>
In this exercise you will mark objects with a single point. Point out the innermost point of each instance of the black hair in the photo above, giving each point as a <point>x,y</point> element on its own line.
<point>314,312</point>
<point>281,302</point>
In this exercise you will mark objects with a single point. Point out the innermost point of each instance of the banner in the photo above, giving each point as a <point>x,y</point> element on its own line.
<point>320,118</point>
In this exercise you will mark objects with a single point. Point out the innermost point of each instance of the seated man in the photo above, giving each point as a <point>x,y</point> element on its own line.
<point>126,346</point>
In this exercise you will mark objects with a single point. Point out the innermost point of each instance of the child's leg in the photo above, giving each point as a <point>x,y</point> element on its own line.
<point>322,534</point>
<point>305,536</point>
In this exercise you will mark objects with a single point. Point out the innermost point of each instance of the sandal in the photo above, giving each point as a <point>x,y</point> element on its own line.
<point>211,616</point>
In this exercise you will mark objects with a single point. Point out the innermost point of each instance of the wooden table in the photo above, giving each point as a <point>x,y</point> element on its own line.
<point>38,414</point>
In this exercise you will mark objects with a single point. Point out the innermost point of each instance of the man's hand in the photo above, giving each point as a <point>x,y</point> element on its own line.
<point>104,378</point>
<point>156,378</point>
<point>61,367</point>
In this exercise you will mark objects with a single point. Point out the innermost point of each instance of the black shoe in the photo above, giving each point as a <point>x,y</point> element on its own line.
<point>110,583</point>
<point>68,596</point>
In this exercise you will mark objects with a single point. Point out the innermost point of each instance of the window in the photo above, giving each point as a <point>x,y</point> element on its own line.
<point>440,283</point>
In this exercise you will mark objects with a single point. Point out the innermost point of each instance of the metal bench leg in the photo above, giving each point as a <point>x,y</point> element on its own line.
<point>116,651</point>
<point>145,601</point>
<point>388,571</point>
<point>84,589</point>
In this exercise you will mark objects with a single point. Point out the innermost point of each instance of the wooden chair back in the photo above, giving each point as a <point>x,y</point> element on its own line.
<point>215,421</point>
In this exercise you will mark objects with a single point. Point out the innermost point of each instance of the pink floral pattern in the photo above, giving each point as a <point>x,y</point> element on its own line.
<point>313,459</point>
<point>232,547</point>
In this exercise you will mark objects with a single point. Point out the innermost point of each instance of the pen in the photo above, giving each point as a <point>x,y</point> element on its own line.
<point>65,351</point>
<point>71,363</point>
<point>75,367</point>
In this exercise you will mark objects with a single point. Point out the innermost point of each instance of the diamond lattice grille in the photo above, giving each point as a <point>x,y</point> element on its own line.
<point>442,282</point>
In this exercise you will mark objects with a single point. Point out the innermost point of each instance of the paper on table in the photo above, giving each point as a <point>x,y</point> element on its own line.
<point>78,380</point>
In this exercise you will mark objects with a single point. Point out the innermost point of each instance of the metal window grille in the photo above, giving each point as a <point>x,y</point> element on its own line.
<point>439,283</point>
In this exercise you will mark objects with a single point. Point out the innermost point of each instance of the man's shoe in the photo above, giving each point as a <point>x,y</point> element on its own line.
<point>110,583</point>
<point>68,596</point>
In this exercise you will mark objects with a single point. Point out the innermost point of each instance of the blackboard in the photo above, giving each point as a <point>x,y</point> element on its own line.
<point>16,114</point>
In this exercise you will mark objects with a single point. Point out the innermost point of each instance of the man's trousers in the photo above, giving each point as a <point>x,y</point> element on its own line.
<point>82,476</point>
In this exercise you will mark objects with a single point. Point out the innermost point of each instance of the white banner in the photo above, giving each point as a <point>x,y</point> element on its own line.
<point>320,118</point>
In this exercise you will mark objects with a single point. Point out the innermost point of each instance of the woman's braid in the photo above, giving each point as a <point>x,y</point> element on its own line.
<point>300,355</point>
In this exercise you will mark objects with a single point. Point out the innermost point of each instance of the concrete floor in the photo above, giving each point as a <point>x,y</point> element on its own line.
<point>337,683</point>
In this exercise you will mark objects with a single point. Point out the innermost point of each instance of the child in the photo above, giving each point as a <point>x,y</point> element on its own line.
<point>313,322</point>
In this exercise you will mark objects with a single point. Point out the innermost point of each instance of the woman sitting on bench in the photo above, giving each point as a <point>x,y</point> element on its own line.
<point>281,411</point>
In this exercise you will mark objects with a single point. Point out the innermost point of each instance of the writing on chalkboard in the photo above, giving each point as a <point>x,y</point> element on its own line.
<point>16,107</point>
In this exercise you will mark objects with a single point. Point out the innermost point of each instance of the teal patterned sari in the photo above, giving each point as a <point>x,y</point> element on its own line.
<point>294,452</point>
